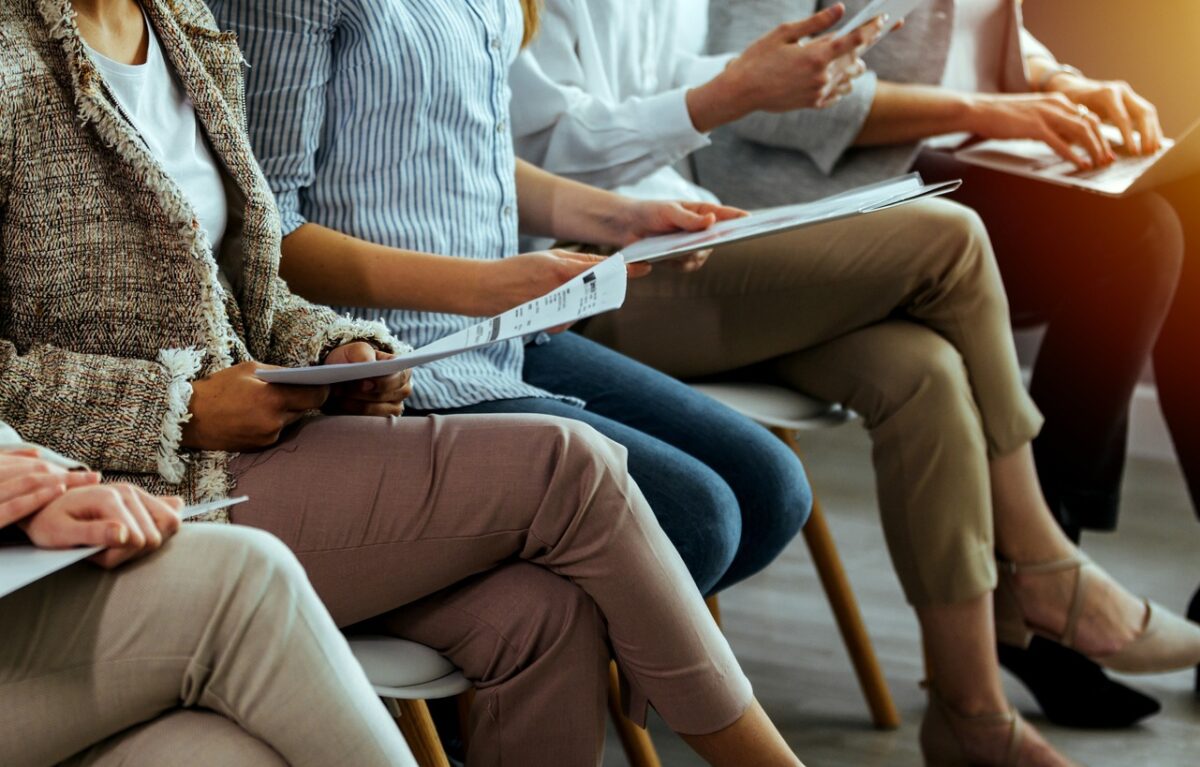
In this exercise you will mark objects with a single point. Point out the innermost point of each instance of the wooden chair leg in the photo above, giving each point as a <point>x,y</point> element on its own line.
<point>714,607</point>
<point>845,610</point>
<point>417,727</point>
<point>465,701</point>
<point>636,742</point>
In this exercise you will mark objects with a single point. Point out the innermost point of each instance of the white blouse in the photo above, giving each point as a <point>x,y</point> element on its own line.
<point>600,94</point>
<point>162,113</point>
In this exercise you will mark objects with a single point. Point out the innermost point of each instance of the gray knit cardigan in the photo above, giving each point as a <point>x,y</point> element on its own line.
<point>110,297</point>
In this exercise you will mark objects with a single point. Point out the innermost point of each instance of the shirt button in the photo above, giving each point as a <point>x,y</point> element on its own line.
<point>501,126</point>
<point>495,43</point>
<point>508,211</point>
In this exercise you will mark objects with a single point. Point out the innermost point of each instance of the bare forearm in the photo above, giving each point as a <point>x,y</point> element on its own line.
<point>552,206</point>
<point>328,267</point>
<point>718,102</point>
<point>903,114</point>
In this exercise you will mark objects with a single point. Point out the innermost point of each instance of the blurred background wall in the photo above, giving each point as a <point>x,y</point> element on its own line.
<point>1154,44</point>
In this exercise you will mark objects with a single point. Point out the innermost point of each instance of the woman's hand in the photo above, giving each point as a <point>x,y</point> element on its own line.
<point>1117,103</point>
<point>126,520</point>
<point>648,218</point>
<point>235,410</point>
<point>1049,117</point>
<point>789,68</point>
<point>519,279</point>
<point>27,483</point>
<point>382,396</point>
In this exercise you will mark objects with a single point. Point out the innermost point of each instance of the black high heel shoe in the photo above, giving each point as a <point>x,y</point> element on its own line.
<point>1193,614</point>
<point>1072,691</point>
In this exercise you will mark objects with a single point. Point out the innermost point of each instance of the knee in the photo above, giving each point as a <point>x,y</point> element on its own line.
<point>705,526</point>
<point>928,387</point>
<point>1153,263</point>
<point>778,498</point>
<point>957,236</point>
<point>586,454</point>
<point>245,557</point>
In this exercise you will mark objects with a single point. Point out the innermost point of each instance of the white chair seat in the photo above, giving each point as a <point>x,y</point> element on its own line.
<point>406,670</point>
<point>776,406</point>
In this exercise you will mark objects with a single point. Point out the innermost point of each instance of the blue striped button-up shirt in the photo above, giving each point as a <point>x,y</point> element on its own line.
<point>388,120</point>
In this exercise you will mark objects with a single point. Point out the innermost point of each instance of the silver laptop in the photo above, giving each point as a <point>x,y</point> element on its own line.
<point>1129,175</point>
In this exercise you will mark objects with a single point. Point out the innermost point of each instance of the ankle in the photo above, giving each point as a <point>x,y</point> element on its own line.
<point>970,701</point>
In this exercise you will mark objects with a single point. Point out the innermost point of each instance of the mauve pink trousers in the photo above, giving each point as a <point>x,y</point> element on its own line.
<point>518,547</point>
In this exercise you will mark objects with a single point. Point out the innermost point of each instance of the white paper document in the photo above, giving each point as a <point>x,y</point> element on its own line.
<point>599,289</point>
<point>895,10</point>
<point>855,202</point>
<point>23,564</point>
<point>1130,173</point>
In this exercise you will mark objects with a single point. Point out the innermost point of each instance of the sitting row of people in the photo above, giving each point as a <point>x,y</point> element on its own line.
<point>156,253</point>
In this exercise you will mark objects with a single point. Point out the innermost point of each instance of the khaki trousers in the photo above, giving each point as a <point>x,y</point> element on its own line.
<point>213,651</point>
<point>519,548</point>
<point>899,315</point>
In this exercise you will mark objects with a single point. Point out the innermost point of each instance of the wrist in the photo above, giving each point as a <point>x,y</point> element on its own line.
<point>486,288</point>
<point>718,102</point>
<point>973,113</point>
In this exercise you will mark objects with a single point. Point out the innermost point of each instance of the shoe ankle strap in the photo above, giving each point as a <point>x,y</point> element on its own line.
<point>1079,560</point>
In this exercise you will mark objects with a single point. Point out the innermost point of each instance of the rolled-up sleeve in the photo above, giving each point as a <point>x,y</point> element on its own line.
<point>289,46</point>
<point>1032,48</point>
<point>576,128</point>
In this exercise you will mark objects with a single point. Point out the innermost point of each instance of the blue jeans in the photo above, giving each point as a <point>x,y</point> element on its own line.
<point>728,494</point>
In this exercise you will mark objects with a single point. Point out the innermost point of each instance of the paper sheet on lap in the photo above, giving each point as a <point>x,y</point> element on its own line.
<point>23,564</point>
<point>855,202</point>
<point>599,289</point>
<point>602,288</point>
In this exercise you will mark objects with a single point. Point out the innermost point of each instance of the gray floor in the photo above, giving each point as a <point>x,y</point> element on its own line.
<point>781,628</point>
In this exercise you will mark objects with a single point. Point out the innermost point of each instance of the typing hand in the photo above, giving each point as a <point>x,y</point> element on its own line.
<point>1117,103</point>
<point>383,396</point>
<point>126,520</point>
<point>1049,117</point>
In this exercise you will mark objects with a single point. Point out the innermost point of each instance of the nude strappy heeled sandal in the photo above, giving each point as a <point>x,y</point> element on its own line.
<point>943,731</point>
<point>1166,642</point>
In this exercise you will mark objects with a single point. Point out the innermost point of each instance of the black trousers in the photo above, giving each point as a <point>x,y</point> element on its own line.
<point>1115,282</point>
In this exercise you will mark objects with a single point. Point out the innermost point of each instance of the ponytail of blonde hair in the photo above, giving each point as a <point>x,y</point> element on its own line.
<point>531,8</point>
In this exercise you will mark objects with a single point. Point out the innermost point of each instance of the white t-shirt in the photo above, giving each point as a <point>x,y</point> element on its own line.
<point>975,61</point>
<point>600,95</point>
<point>163,114</point>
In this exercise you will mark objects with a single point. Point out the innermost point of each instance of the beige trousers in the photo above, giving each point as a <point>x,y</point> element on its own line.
<point>899,315</point>
<point>214,651</point>
<point>519,548</point>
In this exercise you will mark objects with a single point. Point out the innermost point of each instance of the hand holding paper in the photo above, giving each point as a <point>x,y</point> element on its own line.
<point>597,290</point>
<point>25,564</point>
<point>855,202</point>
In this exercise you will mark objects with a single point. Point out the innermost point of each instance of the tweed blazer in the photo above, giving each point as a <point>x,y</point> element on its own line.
<point>111,300</point>
<point>808,153</point>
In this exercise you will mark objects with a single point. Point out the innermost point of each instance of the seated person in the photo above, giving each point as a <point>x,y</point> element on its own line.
<point>899,315</point>
<point>139,292</point>
<point>1098,273</point>
<point>411,209</point>
<point>179,659</point>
